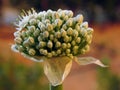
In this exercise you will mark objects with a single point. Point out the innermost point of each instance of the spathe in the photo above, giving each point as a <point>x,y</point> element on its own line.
<point>57,68</point>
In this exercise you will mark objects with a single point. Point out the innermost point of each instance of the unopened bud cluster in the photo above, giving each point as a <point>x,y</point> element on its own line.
<point>52,33</point>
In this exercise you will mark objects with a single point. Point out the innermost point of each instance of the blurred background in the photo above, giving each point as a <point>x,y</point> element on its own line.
<point>18,73</point>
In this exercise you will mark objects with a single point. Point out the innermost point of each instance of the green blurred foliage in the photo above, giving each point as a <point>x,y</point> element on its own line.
<point>107,80</point>
<point>18,76</point>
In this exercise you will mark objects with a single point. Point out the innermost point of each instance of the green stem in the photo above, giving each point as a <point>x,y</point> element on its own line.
<point>59,87</point>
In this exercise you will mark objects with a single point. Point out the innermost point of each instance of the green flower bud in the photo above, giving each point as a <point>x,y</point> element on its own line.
<point>73,43</point>
<point>63,33</point>
<point>54,25</point>
<point>69,22</point>
<point>36,32</point>
<point>41,51</point>
<point>62,14</point>
<point>59,10</point>
<point>56,15</point>
<point>42,28</point>
<point>39,24</point>
<point>66,39</point>
<point>82,51</point>
<point>28,33</point>
<point>39,38</point>
<point>53,32</point>
<point>66,18</point>
<point>78,40</point>
<point>25,38</point>
<point>70,55</point>
<point>84,24</point>
<point>32,52</point>
<point>77,27</point>
<point>49,27</point>
<point>53,53</point>
<point>31,28</point>
<point>89,30</point>
<point>70,14</point>
<point>68,45</point>
<point>43,19</point>
<point>67,51</point>
<point>40,15</point>
<point>18,40</point>
<point>46,16</point>
<point>58,51</point>
<point>63,54</point>
<point>64,45</point>
<point>49,12</point>
<point>49,44</point>
<point>42,44</point>
<point>26,43</point>
<point>43,16</point>
<point>51,37</point>
<point>45,34</point>
<point>37,21</point>
<point>89,39</point>
<point>58,22</point>
<point>32,21</point>
<point>75,50</point>
<point>21,48</point>
<point>87,48</point>
<point>49,55</point>
<point>45,52</point>
<point>23,34</point>
<point>75,33</point>
<point>31,41</point>
<point>83,32</point>
<point>79,31</point>
<point>58,34</point>
<point>70,31</point>
<point>55,39</point>
<point>27,49</point>
<point>57,44</point>
<point>70,38</point>
<point>46,21</point>
<point>64,27</point>
<point>79,18</point>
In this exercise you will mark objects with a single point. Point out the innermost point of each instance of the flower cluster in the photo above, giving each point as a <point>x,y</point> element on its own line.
<point>56,35</point>
<point>52,33</point>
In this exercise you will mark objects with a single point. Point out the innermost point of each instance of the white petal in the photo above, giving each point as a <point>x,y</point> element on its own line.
<point>88,60</point>
<point>14,49</point>
<point>18,29</point>
<point>25,17</point>
<point>24,12</point>
<point>33,58</point>
<point>20,17</point>
<point>56,69</point>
